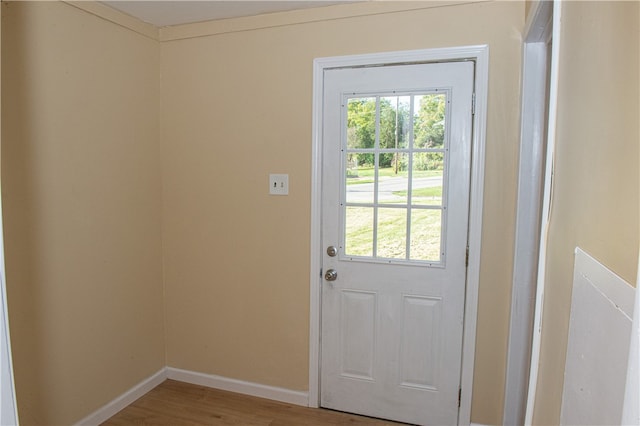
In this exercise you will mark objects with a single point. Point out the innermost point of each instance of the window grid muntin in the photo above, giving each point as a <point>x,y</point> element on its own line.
<point>376,151</point>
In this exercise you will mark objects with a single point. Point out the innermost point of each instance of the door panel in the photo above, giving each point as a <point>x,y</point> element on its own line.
<point>358,332</point>
<point>419,345</point>
<point>395,179</point>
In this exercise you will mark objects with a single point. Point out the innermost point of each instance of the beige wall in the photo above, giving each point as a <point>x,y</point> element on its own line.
<point>595,199</point>
<point>237,106</point>
<point>82,177</point>
<point>529,5</point>
<point>81,196</point>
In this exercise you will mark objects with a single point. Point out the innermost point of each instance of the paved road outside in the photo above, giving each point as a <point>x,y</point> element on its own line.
<point>363,193</point>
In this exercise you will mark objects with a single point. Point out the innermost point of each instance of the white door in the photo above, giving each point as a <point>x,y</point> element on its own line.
<point>395,204</point>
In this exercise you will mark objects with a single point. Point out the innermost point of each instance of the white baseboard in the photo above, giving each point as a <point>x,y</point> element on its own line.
<point>113,407</point>
<point>217,382</point>
<point>232,385</point>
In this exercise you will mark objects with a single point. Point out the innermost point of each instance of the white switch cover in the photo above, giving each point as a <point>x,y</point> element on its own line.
<point>278,184</point>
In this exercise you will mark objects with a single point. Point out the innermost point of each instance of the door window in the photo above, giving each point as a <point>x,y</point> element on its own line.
<point>394,157</point>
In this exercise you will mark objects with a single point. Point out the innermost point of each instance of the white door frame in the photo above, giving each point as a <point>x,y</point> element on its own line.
<point>537,36</point>
<point>479,54</point>
<point>546,211</point>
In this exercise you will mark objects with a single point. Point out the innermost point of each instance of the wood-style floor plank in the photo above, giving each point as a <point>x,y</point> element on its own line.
<point>175,403</point>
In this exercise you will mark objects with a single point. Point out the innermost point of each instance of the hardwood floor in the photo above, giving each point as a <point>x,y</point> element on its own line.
<point>176,403</point>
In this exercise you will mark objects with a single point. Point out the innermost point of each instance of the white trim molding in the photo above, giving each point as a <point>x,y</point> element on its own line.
<point>239,386</point>
<point>546,213</point>
<point>112,408</point>
<point>480,55</point>
<point>216,382</point>
<point>537,38</point>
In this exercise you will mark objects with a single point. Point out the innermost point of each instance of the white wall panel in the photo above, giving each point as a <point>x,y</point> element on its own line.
<point>598,349</point>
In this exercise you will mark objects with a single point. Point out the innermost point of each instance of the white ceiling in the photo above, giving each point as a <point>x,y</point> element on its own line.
<point>176,12</point>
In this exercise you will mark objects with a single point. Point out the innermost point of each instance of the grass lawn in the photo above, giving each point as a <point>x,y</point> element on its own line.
<point>392,228</point>
<point>424,243</point>
<point>433,191</point>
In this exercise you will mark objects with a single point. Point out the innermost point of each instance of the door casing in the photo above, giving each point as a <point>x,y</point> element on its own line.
<point>479,54</point>
<point>531,169</point>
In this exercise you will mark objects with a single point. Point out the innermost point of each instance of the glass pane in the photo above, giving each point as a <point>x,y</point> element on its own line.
<point>394,122</point>
<point>426,179</point>
<point>426,226</point>
<point>392,148</point>
<point>360,177</point>
<point>361,123</point>
<point>429,120</point>
<point>392,233</point>
<point>393,178</point>
<point>359,231</point>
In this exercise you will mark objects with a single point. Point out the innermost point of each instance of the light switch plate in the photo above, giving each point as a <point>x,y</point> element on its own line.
<point>279,184</point>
